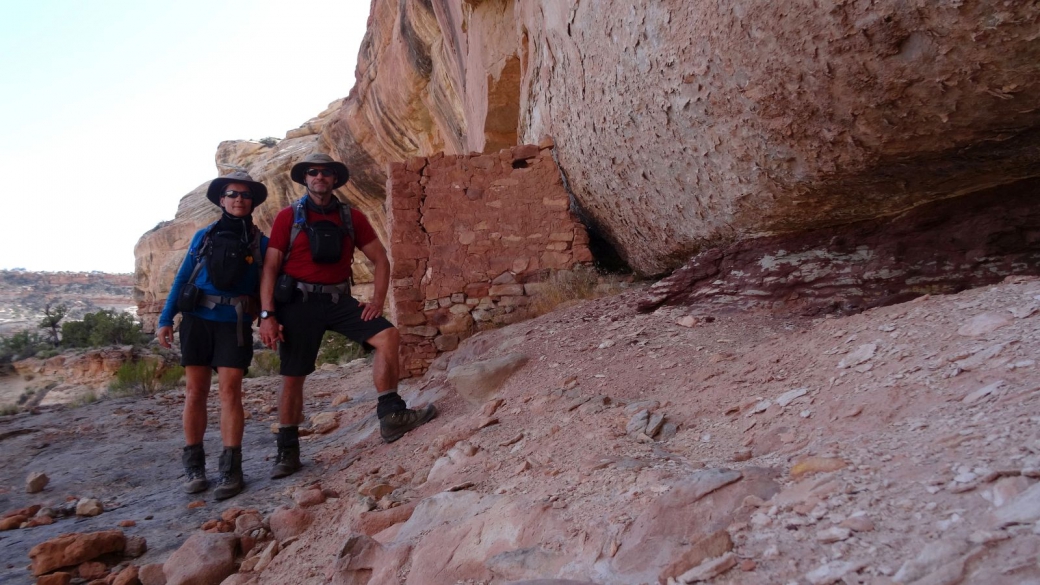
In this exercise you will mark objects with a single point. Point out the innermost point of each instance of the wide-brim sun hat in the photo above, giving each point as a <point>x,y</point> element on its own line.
<point>299,170</point>
<point>217,187</point>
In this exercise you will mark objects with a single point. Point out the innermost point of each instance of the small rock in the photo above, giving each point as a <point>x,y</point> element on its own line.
<point>709,569</point>
<point>790,396</point>
<point>309,497</point>
<point>135,547</point>
<point>376,489</point>
<point>858,523</point>
<point>13,522</point>
<point>128,576</point>
<point>36,482</point>
<point>127,523</point>
<point>324,422</point>
<point>832,572</point>
<point>816,464</point>
<point>637,424</point>
<point>983,324</point>
<point>341,398</point>
<point>89,507</point>
<point>688,321</point>
<point>197,504</point>
<point>264,559</point>
<point>982,392</point>
<point>742,455</point>
<point>858,356</point>
<point>833,534</point>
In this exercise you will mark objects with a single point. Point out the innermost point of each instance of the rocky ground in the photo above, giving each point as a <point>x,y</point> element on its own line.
<point>898,445</point>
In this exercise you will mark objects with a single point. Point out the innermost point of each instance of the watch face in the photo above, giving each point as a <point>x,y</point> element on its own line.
<point>265,314</point>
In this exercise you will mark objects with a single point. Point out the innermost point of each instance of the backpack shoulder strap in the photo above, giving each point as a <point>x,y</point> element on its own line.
<point>200,254</point>
<point>299,221</point>
<point>254,246</point>
<point>346,221</point>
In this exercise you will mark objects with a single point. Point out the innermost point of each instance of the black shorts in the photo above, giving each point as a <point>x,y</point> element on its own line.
<point>305,323</point>
<point>215,343</point>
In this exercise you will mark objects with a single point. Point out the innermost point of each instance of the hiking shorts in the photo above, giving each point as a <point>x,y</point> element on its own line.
<point>305,323</point>
<point>215,343</point>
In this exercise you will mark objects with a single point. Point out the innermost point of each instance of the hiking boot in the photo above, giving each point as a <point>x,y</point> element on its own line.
<point>288,460</point>
<point>231,482</point>
<point>393,426</point>
<point>194,460</point>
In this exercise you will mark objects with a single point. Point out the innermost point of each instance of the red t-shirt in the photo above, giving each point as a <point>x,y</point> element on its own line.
<point>299,264</point>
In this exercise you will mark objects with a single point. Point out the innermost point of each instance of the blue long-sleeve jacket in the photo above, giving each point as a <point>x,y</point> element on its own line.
<point>248,285</point>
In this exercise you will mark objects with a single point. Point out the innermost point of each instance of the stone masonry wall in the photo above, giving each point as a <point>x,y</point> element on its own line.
<point>471,239</point>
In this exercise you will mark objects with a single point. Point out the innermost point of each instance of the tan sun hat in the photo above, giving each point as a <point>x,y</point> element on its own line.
<point>216,187</point>
<point>319,158</point>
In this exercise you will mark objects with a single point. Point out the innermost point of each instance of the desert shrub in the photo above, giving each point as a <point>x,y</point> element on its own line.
<point>105,327</point>
<point>337,349</point>
<point>9,409</point>
<point>265,363</point>
<point>21,345</point>
<point>85,399</point>
<point>569,285</point>
<point>144,377</point>
<point>269,141</point>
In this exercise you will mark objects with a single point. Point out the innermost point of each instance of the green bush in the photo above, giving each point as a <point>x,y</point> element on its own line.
<point>9,409</point>
<point>85,399</point>
<point>21,345</point>
<point>105,327</point>
<point>265,363</point>
<point>144,377</point>
<point>337,349</point>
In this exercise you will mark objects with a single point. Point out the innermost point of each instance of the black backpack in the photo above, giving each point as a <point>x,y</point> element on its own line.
<point>326,238</point>
<point>227,256</point>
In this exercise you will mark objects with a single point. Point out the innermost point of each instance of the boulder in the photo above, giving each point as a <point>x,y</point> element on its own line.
<point>203,559</point>
<point>477,382</point>
<point>73,549</point>
<point>288,522</point>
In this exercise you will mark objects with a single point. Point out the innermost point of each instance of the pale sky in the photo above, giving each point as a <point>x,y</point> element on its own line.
<point>112,110</point>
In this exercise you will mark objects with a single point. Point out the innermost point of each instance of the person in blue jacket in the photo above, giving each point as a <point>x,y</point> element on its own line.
<point>216,291</point>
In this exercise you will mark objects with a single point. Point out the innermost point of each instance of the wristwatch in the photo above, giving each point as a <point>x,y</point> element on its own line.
<point>266,314</point>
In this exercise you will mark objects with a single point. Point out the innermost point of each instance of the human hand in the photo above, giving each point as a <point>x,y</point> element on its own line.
<point>271,332</point>
<point>370,310</point>
<point>165,336</point>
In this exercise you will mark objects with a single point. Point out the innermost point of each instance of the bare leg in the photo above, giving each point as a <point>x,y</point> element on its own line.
<point>196,393</point>
<point>386,364</point>
<point>232,418</point>
<point>290,403</point>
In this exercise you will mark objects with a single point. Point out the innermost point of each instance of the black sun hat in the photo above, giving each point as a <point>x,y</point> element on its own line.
<point>216,187</point>
<point>318,158</point>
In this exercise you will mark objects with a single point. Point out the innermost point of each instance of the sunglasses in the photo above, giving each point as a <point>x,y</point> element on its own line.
<point>322,172</point>
<point>236,194</point>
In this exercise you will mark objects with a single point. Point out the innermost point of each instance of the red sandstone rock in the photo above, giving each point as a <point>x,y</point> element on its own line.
<point>203,558</point>
<point>128,576</point>
<point>73,549</point>
<point>55,579</point>
<point>152,574</point>
<point>288,522</point>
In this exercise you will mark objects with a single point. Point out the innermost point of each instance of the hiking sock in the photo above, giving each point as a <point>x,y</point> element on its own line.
<point>289,437</point>
<point>389,403</point>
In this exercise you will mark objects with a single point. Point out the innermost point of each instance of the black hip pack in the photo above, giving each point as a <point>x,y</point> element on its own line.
<point>326,242</point>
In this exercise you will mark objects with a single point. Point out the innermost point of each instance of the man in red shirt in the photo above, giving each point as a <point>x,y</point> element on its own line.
<point>305,291</point>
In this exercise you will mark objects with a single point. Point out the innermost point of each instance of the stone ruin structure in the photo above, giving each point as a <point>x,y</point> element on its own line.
<point>472,238</point>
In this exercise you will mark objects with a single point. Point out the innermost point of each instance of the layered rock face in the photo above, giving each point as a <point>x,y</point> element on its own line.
<point>679,125</point>
<point>682,124</point>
